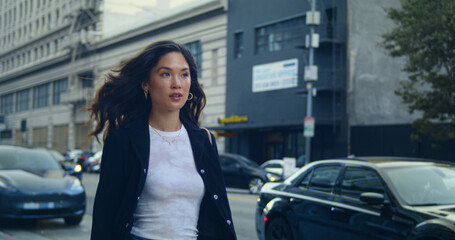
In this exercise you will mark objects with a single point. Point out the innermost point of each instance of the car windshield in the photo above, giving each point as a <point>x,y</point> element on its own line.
<point>26,159</point>
<point>248,162</point>
<point>58,156</point>
<point>423,185</point>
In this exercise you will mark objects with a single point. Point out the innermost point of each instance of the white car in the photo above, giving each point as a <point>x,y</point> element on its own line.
<point>273,166</point>
<point>94,162</point>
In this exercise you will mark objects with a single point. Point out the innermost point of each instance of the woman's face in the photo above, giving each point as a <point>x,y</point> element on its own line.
<point>169,83</point>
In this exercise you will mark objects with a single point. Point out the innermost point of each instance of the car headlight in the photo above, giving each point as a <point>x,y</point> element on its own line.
<point>273,177</point>
<point>6,188</point>
<point>76,186</point>
<point>77,168</point>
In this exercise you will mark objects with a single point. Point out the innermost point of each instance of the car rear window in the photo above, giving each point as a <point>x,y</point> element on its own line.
<point>322,178</point>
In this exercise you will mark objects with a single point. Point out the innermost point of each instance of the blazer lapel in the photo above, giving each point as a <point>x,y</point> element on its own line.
<point>198,140</point>
<point>139,137</point>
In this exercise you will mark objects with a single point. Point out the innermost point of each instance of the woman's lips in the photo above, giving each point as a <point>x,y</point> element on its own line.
<point>176,96</point>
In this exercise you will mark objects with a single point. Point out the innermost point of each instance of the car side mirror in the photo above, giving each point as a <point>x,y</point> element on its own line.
<point>371,198</point>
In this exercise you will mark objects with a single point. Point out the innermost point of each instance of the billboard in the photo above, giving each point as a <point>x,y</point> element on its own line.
<point>275,75</point>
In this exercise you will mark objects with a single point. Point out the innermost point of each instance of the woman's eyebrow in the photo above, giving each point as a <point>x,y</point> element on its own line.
<point>169,69</point>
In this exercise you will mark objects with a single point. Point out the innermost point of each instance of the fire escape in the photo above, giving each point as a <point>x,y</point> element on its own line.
<point>82,33</point>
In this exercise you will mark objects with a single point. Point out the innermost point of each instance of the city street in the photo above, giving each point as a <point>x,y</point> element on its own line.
<point>242,204</point>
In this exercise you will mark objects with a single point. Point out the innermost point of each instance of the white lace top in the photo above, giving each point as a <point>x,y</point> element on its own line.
<point>168,207</point>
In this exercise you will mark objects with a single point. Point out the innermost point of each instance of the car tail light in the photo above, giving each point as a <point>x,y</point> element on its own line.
<point>96,162</point>
<point>265,219</point>
<point>83,158</point>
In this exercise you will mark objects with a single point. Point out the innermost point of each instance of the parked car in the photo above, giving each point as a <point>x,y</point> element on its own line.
<point>79,156</point>
<point>241,172</point>
<point>363,198</point>
<point>300,161</point>
<point>34,186</point>
<point>70,167</point>
<point>94,162</point>
<point>273,166</point>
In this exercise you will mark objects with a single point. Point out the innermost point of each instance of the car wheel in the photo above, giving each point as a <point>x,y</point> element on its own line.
<point>278,229</point>
<point>75,220</point>
<point>255,185</point>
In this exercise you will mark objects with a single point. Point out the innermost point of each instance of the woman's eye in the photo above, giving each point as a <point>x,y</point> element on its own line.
<point>165,74</point>
<point>185,75</point>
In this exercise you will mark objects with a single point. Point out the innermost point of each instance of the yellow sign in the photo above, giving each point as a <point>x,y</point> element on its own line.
<point>233,119</point>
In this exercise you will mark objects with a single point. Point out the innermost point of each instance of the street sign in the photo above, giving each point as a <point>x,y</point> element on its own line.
<point>311,73</point>
<point>308,127</point>
<point>288,166</point>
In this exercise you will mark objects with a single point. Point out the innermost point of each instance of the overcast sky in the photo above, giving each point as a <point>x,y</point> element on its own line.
<point>124,15</point>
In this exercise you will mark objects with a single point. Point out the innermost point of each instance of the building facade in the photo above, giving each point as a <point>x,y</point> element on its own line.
<point>53,58</point>
<point>355,107</point>
<point>266,91</point>
<point>40,42</point>
<point>251,57</point>
<point>379,122</point>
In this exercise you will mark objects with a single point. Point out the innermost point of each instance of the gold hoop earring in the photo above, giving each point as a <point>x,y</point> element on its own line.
<point>146,94</point>
<point>191,96</point>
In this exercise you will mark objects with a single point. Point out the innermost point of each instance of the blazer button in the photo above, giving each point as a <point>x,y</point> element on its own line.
<point>126,226</point>
<point>215,197</point>
<point>202,171</point>
<point>228,222</point>
<point>145,170</point>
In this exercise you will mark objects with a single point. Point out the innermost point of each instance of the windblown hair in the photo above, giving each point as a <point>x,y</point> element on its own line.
<point>121,99</point>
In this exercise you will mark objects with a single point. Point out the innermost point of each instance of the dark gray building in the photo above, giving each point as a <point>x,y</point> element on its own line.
<point>356,109</point>
<point>266,92</point>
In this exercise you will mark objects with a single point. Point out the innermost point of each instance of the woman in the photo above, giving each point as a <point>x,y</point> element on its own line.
<point>160,177</point>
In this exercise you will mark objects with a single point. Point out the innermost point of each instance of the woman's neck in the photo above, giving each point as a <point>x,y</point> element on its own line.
<point>165,122</point>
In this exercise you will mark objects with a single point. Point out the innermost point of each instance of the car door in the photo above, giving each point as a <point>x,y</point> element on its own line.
<point>233,172</point>
<point>311,202</point>
<point>354,219</point>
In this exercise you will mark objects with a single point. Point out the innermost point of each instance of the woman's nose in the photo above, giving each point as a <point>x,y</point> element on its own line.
<point>176,82</point>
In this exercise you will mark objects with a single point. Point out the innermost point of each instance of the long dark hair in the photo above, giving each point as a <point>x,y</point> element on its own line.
<point>121,99</point>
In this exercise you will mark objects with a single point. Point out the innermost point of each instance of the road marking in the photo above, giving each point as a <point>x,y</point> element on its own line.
<point>8,237</point>
<point>245,199</point>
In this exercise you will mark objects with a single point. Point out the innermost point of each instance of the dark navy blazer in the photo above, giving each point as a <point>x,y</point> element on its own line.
<point>123,172</point>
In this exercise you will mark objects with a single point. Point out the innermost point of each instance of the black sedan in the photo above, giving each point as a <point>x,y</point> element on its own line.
<point>365,198</point>
<point>241,172</point>
<point>34,186</point>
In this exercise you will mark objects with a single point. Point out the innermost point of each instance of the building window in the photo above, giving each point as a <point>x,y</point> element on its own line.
<point>331,14</point>
<point>60,138</point>
<point>23,100</point>
<point>238,45</point>
<point>86,79</point>
<point>279,36</point>
<point>6,134</point>
<point>59,88</point>
<point>41,96</point>
<point>196,49</point>
<point>57,16</point>
<point>49,22</point>
<point>82,131</point>
<point>39,138</point>
<point>7,103</point>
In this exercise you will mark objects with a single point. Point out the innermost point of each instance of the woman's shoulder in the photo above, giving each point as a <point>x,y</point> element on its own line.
<point>122,131</point>
<point>116,135</point>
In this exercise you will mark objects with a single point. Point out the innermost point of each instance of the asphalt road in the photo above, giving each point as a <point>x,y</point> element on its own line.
<point>242,206</point>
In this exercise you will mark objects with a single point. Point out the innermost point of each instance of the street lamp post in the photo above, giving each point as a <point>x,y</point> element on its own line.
<point>309,109</point>
<point>311,74</point>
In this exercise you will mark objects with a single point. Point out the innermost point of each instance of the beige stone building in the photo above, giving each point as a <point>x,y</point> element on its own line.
<point>53,55</point>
